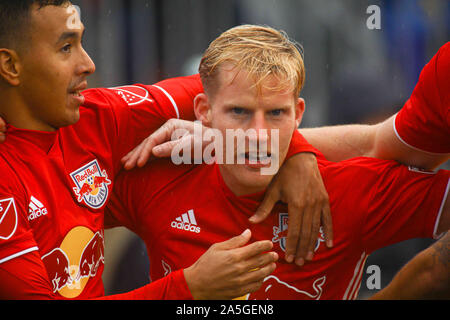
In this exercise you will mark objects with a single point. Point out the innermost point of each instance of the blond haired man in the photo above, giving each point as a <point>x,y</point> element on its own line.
<point>252,77</point>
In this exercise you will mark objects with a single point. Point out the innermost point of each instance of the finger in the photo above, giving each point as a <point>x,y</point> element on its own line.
<point>293,234</point>
<point>2,130</point>
<point>165,149</point>
<point>235,242</point>
<point>164,133</point>
<point>305,236</point>
<point>132,160</point>
<point>271,197</point>
<point>315,227</point>
<point>260,274</point>
<point>128,155</point>
<point>260,261</point>
<point>253,249</point>
<point>257,275</point>
<point>164,136</point>
<point>252,281</point>
<point>327,223</point>
<point>146,152</point>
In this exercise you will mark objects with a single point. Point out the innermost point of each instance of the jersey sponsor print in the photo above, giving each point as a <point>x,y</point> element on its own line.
<point>78,258</point>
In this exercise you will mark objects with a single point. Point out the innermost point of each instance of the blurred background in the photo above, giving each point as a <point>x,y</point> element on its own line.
<point>353,74</point>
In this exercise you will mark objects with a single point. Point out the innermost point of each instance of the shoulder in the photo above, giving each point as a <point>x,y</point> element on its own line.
<point>11,182</point>
<point>356,166</point>
<point>156,175</point>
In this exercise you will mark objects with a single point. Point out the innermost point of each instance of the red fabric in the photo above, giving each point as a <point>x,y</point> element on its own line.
<point>55,186</point>
<point>424,120</point>
<point>374,203</point>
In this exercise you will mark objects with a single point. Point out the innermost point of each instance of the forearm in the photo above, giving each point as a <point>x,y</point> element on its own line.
<point>338,143</point>
<point>427,276</point>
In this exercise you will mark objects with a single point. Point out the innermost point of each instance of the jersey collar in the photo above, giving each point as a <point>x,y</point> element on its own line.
<point>248,201</point>
<point>43,140</point>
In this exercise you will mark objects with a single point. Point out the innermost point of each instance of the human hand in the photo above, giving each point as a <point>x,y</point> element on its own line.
<point>160,143</point>
<point>2,130</point>
<point>230,269</point>
<point>299,184</point>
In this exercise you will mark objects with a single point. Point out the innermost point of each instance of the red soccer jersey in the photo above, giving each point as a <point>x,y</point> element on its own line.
<point>55,186</point>
<point>424,121</point>
<point>374,203</point>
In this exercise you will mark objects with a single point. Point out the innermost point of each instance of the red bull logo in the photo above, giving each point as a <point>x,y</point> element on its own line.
<point>92,257</point>
<point>91,184</point>
<point>77,260</point>
<point>280,232</point>
<point>275,289</point>
<point>57,264</point>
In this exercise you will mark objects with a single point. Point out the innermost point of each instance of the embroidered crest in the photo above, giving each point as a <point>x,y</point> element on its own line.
<point>91,184</point>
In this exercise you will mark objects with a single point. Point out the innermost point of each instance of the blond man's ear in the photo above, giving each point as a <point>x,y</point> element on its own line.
<point>202,109</point>
<point>299,111</point>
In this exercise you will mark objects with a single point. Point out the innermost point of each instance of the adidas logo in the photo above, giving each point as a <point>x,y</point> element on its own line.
<point>186,222</point>
<point>36,209</point>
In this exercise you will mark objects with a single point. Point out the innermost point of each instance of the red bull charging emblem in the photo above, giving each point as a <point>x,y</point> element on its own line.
<point>78,259</point>
<point>91,184</point>
<point>275,289</point>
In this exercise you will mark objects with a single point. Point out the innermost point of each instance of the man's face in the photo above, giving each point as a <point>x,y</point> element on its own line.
<point>237,104</point>
<point>54,67</point>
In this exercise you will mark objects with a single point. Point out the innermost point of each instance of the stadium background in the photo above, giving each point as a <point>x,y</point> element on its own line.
<point>354,75</point>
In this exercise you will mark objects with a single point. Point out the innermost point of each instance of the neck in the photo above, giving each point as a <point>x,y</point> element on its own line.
<point>236,186</point>
<point>16,112</point>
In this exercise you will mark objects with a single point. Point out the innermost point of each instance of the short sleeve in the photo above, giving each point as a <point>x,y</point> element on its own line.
<point>124,116</point>
<point>424,121</point>
<point>16,236</point>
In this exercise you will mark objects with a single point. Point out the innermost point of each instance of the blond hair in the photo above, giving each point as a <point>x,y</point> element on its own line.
<point>261,51</point>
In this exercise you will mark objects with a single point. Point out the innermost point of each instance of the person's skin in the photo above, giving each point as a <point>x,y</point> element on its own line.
<point>10,64</point>
<point>338,143</point>
<point>40,84</point>
<point>298,183</point>
<point>42,79</point>
<point>214,275</point>
<point>427,275</point>
<point>236,106</point>
<point>308,200</point>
